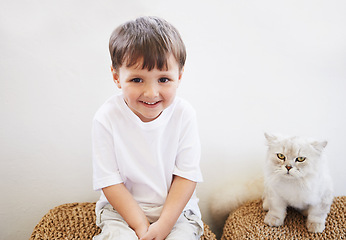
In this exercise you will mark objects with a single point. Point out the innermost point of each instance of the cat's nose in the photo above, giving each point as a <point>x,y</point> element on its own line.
<point>288,167</point>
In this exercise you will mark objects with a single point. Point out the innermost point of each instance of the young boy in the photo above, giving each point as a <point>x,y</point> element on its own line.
<point>146,148</point>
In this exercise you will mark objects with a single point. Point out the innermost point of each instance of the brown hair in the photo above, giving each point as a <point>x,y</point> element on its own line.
<point>147,39</point>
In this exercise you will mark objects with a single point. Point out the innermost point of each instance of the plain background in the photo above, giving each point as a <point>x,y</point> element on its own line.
<point>252,67</point>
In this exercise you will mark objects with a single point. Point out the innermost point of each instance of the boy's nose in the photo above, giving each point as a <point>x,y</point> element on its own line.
<point>151,91</point>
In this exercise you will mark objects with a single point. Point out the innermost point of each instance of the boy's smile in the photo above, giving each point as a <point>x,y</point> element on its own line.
<point>148,93</point>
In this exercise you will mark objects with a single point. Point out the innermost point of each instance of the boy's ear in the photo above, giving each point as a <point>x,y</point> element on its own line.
<point>180,76</point>
<point>115,77</point>
<point>181,73</point>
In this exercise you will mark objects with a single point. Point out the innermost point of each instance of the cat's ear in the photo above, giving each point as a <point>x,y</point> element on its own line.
<point>319,146</point>
<point>270,138</point>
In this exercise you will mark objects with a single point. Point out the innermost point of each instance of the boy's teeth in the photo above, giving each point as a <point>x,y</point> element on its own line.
<point>150,103</point>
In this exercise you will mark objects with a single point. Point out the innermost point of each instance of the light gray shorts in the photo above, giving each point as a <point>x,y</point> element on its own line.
<point>188,226</point>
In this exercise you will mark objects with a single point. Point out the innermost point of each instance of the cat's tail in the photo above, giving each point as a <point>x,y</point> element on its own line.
<point>230,196</point>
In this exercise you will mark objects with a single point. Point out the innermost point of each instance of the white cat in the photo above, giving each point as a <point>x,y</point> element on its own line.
<point>295,175</point>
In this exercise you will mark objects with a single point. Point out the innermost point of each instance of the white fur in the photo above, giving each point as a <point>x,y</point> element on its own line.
<point>226,200</point>
<point>307,186</point>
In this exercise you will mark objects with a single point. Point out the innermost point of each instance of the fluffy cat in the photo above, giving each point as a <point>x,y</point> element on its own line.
<point>295,175</point>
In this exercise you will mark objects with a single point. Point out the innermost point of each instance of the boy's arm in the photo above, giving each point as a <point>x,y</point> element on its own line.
<point>123,202</point>
<point>179,194</point>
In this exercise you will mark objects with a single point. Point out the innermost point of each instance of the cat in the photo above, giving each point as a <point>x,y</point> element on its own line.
<point>295,175</point>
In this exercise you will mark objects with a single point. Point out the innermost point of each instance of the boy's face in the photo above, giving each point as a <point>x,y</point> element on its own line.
<point>148,93</point>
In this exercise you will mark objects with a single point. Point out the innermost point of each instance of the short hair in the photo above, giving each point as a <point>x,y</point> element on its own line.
<point>147,39</point>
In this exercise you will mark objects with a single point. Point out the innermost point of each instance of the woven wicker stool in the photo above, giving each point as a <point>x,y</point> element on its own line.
<point>247,223</point>
<point>77,221</point>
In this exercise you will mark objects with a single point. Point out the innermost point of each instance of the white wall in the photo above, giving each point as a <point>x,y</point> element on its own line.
<point>253,66</point>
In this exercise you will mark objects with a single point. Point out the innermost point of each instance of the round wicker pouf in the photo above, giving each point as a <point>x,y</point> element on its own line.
<point>247,223</point>
<point>77,221</point>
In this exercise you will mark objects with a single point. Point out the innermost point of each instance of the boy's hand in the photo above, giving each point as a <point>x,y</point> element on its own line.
<point>123,202</point>
<point>157,231</point>
<point>141,231</point>
<point>179,194</point>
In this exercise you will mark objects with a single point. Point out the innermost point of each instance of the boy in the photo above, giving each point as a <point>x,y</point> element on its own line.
<point>146,148</point>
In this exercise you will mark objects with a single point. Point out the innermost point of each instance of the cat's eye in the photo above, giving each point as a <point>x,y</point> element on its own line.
<point>300,159</point>
<point>281,156</point>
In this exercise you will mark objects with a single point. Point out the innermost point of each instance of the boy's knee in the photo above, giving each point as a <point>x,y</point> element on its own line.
<point>116,231</point>
<point>113,226</point>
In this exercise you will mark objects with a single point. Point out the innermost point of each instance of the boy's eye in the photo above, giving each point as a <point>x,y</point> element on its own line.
<point>136,80</point>
<point>300,159</point>
<point>163,80</point>
<point>281,156</point>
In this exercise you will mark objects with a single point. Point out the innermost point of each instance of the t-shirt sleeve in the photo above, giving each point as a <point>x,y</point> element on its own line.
<point>105,167</point>
<point>189,151</point>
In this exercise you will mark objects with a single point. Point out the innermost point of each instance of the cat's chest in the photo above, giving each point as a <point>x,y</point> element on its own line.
<point>296,196</point>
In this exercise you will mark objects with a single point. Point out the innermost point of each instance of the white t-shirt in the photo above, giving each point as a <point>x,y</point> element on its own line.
<point>145,155</point>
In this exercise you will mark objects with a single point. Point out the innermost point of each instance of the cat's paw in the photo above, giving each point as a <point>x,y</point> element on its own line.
<point>273,221</point>
<point>315,227</point>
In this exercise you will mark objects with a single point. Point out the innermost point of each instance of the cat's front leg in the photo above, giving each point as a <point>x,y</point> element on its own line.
<point>315,226</point>
<point>276,212</point>
<point>317,215</point>
<point>274,218</point>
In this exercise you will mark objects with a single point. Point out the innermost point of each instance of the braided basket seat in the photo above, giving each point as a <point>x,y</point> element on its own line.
<point>77,221</point>
<point>247,223</point>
